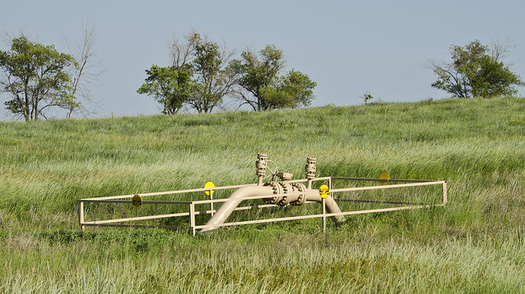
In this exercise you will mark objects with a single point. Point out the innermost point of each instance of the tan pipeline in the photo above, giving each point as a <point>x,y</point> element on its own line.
<point>264,191</point>
<point>236,198</point>
<point>290,193</point>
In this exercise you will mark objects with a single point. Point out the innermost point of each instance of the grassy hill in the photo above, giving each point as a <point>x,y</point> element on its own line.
<point>474,244</point>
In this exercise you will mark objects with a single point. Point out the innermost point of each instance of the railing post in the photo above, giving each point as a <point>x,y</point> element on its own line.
<point>81,214</point>
<point>445,193</point>
<point>324,215</point>
<point>192,218</point>
<point>211,203</point>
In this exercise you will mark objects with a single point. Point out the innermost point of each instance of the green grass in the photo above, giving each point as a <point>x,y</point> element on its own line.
<point>474,244</point>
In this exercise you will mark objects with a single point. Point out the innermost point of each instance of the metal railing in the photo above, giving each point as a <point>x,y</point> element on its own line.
<point>192,212</point>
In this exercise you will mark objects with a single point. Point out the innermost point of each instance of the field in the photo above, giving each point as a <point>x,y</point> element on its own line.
<point>476,244</point>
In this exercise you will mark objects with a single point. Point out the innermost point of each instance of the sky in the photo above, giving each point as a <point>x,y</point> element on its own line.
<point>348,47</point>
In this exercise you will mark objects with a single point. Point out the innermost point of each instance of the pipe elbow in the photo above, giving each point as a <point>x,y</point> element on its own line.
<point>331,205</point>
<point>233,201</point>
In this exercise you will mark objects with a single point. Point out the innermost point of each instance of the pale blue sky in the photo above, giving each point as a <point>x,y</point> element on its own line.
<point>347,47</point>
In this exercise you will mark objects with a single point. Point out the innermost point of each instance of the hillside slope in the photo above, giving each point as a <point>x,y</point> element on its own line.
<point>475,243</point>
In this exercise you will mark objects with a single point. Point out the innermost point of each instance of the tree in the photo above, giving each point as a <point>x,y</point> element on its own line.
<point>36,76</point>
<point>83,73</point>
<point>168,86</point>
<point>212,77</point>
<point>261,86</point>
<point>201,76</point>
<point>475,71</point>
<point>290,91</point>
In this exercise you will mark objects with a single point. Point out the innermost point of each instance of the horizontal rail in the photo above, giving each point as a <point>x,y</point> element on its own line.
<point>387,186</point>
<point>99,222</point>
<point>380,180</point>
<point>416,184</point>
<point>381,201</point>
<point>128,219</point>
<point>171,192</point>
<point>137,226</point>
<point>314,216</point>
<point>192,190</point>
<point>131,201</point>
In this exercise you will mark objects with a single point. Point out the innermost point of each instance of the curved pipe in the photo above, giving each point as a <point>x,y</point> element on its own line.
<point>331,205</point>
<point>236,198</point>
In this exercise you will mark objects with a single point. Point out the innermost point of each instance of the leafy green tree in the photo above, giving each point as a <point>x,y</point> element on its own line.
<point>207,64</point>
<point>212,77</point>
<point>262,88</point>
<point>36,76</point>
<point>169,87</point>
<point>290,91</point>
<point>475,71</point>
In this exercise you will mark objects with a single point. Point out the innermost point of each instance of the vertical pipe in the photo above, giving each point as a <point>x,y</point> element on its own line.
<point>324,215</point>
<point>261,166</point>
<point>81,214</point>
<point>309,168</point>
<point>445,193</point>
<point>192,218</point>
<point>211,203</point>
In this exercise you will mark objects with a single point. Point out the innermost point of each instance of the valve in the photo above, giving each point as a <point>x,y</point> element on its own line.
<point>310,168</point>
<point>261,166</point>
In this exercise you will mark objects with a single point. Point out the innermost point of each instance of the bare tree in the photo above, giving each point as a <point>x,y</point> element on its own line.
<point>87,71</point>
<point>182,51</point>
<point>500,50</point>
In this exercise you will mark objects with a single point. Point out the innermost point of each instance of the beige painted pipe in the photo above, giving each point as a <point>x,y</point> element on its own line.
<point>237,197</point>
<point>331,205</point>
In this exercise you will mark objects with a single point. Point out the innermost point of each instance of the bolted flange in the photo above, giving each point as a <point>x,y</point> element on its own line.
<point>298,187</point>
<point>287,188</point>
<point>277,189</point>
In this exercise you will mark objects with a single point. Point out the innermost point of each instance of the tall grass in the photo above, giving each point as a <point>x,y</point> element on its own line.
<point>475,244</point>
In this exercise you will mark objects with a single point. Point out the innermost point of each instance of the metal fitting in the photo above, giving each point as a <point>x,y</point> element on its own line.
<point>285,176</point>
<point>287,188</point>
<point>301,199</point>
<point>310,168</point>
<point>261,166</point>
<point>277,189</point>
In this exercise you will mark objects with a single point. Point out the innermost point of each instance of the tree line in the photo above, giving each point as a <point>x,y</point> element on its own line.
<point>203,73</point>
